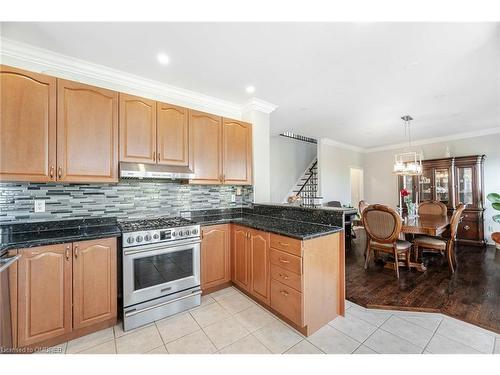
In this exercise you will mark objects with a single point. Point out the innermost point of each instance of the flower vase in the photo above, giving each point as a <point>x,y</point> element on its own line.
<point>412,209</point>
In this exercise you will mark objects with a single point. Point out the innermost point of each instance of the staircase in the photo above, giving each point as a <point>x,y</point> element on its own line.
<point>307,187</point>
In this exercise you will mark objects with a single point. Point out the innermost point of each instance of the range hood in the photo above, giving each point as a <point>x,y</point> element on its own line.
<point>155,171</point>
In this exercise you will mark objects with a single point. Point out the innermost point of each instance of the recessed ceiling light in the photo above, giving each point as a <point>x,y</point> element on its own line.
<point>250,89</point>
<point>162,58</point>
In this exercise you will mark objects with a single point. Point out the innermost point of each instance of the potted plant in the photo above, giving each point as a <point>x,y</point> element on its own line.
<point>494,198</point>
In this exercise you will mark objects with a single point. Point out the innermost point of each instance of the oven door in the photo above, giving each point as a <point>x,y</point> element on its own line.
<point>157,270</point>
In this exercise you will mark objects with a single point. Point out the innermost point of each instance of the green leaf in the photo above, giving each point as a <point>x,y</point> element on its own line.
<point>496,218</point>
<point>493,197</point>
<point>496,206</point>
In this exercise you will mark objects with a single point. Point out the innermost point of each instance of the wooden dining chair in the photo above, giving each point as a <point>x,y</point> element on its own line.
<point>442,245</point>
<point>432,208</point>
<point>383,226</point>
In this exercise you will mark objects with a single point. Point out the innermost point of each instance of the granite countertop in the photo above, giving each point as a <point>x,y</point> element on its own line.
<point>23,235</point>
<point>291,228</point>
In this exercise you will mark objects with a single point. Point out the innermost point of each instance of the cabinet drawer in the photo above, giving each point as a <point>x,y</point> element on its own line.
<point>286,261</point>
<point>291,279</point>
<point>468,230</point>
<point>287,244</point>
<point>286,301</point>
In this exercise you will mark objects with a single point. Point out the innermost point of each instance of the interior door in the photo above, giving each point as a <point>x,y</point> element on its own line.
<point>206,138</point>
<point>173,135</point>
<point>27,126</point>
<point>137,129</point>
<point>44,293</point>
<point>87,133</point>
<point>260,268</point>
<point>237,152</point>
<point>94,281</point>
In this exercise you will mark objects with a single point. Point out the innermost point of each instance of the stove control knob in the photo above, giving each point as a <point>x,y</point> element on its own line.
<point>156,236</point>
<point>138,238</point>
<point>130,240</point>
<point>187,232</point>
<point>181,233</point>
<point>174,234</point>
<point>194,232</point>
<point>148,237</point>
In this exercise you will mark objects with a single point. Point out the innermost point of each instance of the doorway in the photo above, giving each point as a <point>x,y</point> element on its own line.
<point>356,186</point>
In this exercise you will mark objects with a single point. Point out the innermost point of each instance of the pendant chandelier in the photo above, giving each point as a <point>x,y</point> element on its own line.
<point>408,163</point>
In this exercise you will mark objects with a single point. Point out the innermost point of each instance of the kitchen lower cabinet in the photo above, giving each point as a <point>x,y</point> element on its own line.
<point>215,256</point>
<point>94,282</point>
<point>240,257</point>
<point>258,243</point>
<point>65,291</point>
<point>44,293</point>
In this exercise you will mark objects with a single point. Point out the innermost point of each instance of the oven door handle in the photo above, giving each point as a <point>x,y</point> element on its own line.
<point>160,246</point>
<point>135,312</point>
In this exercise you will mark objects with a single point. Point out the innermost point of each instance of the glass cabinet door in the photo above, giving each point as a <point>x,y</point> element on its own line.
<point>464,179</point>
<point>441,184</point>
<point>425,185</point>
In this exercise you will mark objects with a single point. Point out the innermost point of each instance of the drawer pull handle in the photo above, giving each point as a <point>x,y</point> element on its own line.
<point>67,252</point>
<point>59,172</point>
<point>282,243</point>
<point>284,276</point>
<point>284,260</point>
<point>284,293</point>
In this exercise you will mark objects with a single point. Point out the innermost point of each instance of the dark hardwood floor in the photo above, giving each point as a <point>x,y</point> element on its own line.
<point>472,294</point>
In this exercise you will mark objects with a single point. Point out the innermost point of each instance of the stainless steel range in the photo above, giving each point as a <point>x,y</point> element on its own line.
<point>161,269</point>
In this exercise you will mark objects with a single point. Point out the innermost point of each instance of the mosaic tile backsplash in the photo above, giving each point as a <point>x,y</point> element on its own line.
<point>127,199</point>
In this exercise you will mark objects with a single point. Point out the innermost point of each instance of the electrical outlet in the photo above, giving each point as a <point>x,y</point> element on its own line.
<point>233,198</point>
<point>39,205</point>
<point>238,190</point>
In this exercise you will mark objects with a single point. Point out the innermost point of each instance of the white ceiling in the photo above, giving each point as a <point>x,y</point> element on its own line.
<point>349,82</point>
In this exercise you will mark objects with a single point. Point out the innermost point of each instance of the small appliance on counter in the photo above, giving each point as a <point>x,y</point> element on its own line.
<point>161,269</point>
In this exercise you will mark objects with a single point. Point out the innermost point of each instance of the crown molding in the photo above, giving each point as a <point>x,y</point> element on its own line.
<point>428,141</point>
<point>345,146</point>
<point>25,56</point>
<point>256,104</point>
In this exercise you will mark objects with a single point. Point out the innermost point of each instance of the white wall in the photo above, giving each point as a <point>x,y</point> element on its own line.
<point>381,184</point>
<point>334,169</point>
<point>289,160</point>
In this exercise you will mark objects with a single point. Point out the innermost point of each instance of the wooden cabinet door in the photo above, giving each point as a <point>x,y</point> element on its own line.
<point>173,135</point>
<point>237,152</point>
<point>44,293</point>
<point>27,126</point>
<point>137,129</point>
<point>259,265</point>
<point>87,133</point>
<point>94,281</point>
<point>215,253</point>
<point>206,140</point>
<point>241,258</point>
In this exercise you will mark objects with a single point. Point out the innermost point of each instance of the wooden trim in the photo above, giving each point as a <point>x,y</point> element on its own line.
<point>13,298</point>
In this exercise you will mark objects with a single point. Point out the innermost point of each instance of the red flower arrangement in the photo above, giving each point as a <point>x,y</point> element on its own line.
<point>404,192</point>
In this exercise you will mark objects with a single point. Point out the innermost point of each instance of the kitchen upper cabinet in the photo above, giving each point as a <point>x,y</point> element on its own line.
<point>259,264</point>
<point>215,256</point>
<point>94,282</point>
<point>87,133</point>
<point>240,258</point>
<point>206,138</point>
<point>44,293</point>
<point>237,152</point>
<point>173,143</point>
<point>27,126</point>
<point>137,129</point>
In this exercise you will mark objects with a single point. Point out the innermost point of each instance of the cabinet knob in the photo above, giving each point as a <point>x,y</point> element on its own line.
<point>51,173</point>
<point>154,156</point>
<point>284,276</point>
<point>59,172</point>
<point>67,252</point>
<point>283,260</point>
<point>284,292</point>
<point>466,227</point>
<point>76,251</point>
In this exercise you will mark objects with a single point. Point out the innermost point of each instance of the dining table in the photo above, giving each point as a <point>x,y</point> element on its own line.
<point>429,225</point>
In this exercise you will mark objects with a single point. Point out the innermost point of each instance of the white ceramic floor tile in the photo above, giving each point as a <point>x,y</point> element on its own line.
<point>304,347</point>
<point>234,303</point>
<point>277,337</point>
<point>119,332</point>
<point>497,346</point>
<point>140,341</point>
<point>410,332</point>
<point>374,317</point>
<point>175,327</point>
<point>222,292</point>
<point>443,345</point>
<point>386,343</point>
<point>105,348</point>
<point>205,300</point>
<point>246,345</point>
<point>254,318</point>
<point>225,332</point>
<point>428,321</point>
<point>353,327</point>
<point>467,334</point>
<point>210,314</point>
<point>194,343</point>
<point>88,341</point>
<point>332,341</point>
<point>158,350</point>
<point>364,350</point>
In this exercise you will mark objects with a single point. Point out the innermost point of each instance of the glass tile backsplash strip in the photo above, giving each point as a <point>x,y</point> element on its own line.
<point>127,199</point>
